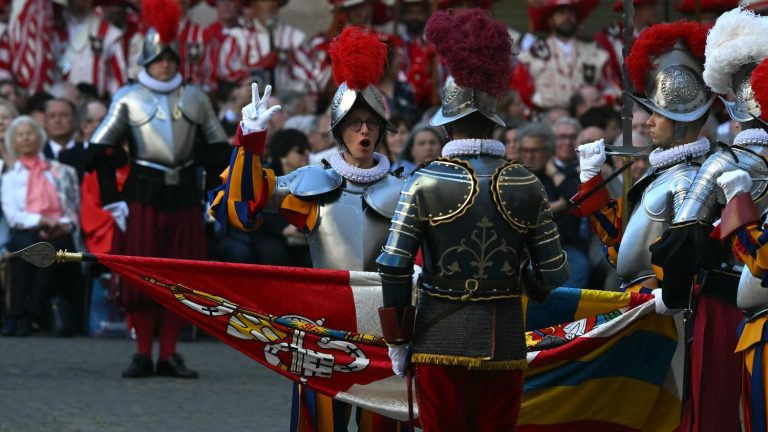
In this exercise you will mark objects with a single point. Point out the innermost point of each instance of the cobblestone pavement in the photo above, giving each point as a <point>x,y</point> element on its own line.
<point>74,384</point>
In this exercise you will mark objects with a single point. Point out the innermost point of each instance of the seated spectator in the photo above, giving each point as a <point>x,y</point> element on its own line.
<point>60,125</point>
<point>13,93</point>
<point>508,137</point>
<point>604,117</point>
<point>7,114</point>
<point>584,99</point>
<point>321,143</point>
<point>424,145</point>
<point>40,200</point>
<point>536,144</point>
<point>512,108</point>
<point>277,242</point>
<point>563,169</point>
<point>89,117</point>
<point>396,141</point>
<point>36,106</point>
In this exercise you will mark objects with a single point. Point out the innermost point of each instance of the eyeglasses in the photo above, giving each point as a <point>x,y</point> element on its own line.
<point>356,124</point>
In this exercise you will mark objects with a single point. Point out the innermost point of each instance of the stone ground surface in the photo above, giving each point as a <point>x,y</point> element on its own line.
<point>74,384</point>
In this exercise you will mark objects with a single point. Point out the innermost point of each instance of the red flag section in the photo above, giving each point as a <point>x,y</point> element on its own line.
<point>597,360</point>
<point>287,319</point>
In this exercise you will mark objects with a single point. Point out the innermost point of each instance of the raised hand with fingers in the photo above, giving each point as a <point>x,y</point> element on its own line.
<point>256,114</point>
<point>591,158</point>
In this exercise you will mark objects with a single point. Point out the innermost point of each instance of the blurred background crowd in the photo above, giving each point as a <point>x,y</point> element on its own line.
<point>60,60</point>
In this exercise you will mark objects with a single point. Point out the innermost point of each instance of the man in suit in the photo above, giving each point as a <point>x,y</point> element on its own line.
<point>59,123</point>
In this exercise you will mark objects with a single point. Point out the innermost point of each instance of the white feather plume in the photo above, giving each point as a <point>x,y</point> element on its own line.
<point>737,38</point>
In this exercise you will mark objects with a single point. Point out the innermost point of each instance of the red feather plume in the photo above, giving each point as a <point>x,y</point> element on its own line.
<point>163,16</point>
<point>358,57</point>
<point>759,83</point>
<point>657,40</point>
<point>476,49</point>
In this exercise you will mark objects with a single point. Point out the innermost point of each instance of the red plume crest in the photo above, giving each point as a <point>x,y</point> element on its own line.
<point>163,16</point>
<point>476,49</point>
<point>658,39</point>
<point>358,57</point>
<point>759,81</point>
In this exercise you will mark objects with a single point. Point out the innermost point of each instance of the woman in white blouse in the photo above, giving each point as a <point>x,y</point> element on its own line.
<point>40,200</point>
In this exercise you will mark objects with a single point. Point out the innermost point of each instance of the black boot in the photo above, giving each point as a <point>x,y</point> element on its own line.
<point>174,367</point>
<point>141,366</point>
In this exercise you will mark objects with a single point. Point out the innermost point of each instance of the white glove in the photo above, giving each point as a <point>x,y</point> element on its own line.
<point>256,115</point>
<point>119,212</point>
<point>398,355</point>
<point>591,158</point>
<point>658,303</point>
<point>415,276</point>
<point>734,182</point>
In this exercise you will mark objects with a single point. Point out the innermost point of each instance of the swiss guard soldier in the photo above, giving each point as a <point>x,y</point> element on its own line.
<point>559,62</point>
<point>484,227</point>
<point>734,47</point>
<point>343,205</point>
<point>666,64</point>
<point>705,11</point>
<point>160,116</point>
<point>743,223</point>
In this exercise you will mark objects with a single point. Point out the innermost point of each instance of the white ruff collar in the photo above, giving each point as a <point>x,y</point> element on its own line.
<point>662,158</point>
<point>474,147</point>
<point>159,86</point>
<point>360,175</point>
<point>756,136</point>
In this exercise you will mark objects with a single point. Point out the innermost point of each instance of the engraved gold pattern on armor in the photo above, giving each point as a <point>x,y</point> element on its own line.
<point>501,181</point>
<point>679,90</point>
<point>465,174</point>
<point>485,244</point>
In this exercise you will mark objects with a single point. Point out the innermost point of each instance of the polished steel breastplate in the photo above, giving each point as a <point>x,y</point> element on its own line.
<point>349,233</point>
<point>650,218</point>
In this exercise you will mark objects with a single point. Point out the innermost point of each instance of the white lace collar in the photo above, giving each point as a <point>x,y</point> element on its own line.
<point>755,136</point>
<point>474,147</point>
<point>159,86</point>
<point>663,158</point>
<point>360,175</point>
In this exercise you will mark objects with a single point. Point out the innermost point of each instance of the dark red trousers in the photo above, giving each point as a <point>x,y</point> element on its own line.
<point>454,398</point>
<point>155,233</point>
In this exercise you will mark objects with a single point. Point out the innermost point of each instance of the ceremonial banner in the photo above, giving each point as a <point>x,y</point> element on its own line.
<point>597,360</point>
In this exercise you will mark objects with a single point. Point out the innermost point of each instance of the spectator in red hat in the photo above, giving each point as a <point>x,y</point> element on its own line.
<point>560,63</point>
<point>416,57</point>
<point>705,11</point>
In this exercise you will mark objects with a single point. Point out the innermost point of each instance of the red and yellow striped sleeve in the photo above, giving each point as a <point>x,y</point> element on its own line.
<point>247,187</point>
<point>748,242</point>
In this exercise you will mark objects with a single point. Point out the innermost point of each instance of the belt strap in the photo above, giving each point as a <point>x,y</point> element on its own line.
<point>470,289</point>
